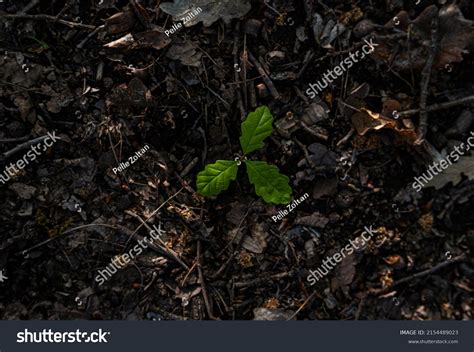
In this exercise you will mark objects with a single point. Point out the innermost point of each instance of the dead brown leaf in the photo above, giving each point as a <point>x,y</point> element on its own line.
<point>344,273</point>
<point>455,33</point>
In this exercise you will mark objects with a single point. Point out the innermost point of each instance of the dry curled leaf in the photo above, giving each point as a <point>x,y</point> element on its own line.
<point>367,120</point>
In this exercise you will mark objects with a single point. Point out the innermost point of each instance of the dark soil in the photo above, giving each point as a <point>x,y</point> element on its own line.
<point>67,215</point>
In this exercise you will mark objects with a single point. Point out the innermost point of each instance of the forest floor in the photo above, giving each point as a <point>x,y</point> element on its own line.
<point>125,81</point>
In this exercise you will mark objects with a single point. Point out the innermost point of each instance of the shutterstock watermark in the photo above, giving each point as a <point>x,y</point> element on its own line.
<point>339,70</point>
<point>35,150</point>
<point>444,163</point>
<point>317,274</point>
<point>49,336</point>
<point>123,260</point>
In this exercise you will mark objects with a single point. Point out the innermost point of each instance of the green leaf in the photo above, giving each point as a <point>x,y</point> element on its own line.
<point>269,183</point>
<point>256,127</point>
<point>216,177</point>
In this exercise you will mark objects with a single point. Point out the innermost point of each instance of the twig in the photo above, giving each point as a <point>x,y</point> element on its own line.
<point>144,21</point>
<point>310,297</point>
<point>190,166</point>
<point>346,137</point>
<point>435,107</point>
<point>203,286</point>
<point>222,268</point>
<point>314,133</point>
<point>24,146</point>
<point>430,271</point>
<point>268,82</point>
<point>18,139</point>
<point>64,233</point>
<point>305,151</point>
<point>309,56</point>
<point>203,134</point>
<point>89,36</point>
<point>49,19</point>
<point>360,307</point>
<point>420,274</point>
<point>235,52</point>
<point>236,231</point>
<point>28,7</point>
<point>226,104</point>
<point>245,60</point>
<point>188,273</point>
<point>262,279</point>
<point>425,80</point>
<point>162,245</point>
<point>154,213</point>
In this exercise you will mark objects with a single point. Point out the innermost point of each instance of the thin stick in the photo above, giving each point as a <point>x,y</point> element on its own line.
<point>203,286</point>
<point>430,271</point>
<point>261,279</point>
<point>49,19</point>
<point>64,233</point>
<point>89,36</point>
<point>346,137</point>
<point>314,133</point>
<point>154,213</point>
<point>24,146</point>
<point>268,82</point>
<point>420,274</point>
<point>162,244</point>
<point>310,297</point>
<point>28,7</point>
<point>188,168</point>
<point>425,80</point>
<point>435,107</point>
<point>10,140</point>
<point>235,51</point>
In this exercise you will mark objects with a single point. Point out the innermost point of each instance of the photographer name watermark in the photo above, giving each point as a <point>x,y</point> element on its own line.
<point>282,213</point>
<point>185,20</point>
<point>131,160</point>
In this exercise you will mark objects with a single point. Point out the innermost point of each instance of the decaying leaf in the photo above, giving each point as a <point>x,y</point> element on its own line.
<point>315,220</point>
<point>186,52</point>
<point>455,33</point>
<point>120,22</point>
<point>320,155</point>
<point>324,187</point>
<point>326,31</point>
<point>272,314</point>
<point>344,273</point>
<point>212,10</point>
<point>465,165</point>
<point>258,241</point>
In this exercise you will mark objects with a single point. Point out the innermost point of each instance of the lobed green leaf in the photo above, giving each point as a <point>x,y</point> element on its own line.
<point>256,127</point>
<point>269,184</point>
<point>216,177</point>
